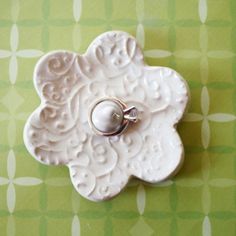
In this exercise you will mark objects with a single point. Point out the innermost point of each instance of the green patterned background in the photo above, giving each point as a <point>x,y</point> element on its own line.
<point>195,37</point>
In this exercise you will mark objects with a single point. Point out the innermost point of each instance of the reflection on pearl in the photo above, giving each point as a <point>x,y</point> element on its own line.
<point>107,117</point>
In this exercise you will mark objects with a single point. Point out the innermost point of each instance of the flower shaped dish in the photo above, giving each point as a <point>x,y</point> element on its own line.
<point>58,133</point>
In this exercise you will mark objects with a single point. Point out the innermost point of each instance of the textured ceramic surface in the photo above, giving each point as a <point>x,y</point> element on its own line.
<point>68,84</point>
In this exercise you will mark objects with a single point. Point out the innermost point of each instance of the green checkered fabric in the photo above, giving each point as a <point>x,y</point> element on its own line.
<point>195,37</point>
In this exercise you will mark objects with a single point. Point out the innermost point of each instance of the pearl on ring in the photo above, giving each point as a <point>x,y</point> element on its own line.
<point>110,116</point>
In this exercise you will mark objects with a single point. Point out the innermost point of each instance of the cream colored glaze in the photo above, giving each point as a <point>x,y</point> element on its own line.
<point>57,132</point>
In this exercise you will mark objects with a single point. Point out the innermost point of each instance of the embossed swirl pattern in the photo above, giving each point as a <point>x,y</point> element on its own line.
<point>68,83</point>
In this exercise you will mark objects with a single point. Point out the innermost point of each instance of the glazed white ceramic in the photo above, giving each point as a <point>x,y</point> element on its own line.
<point>58,133</point>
